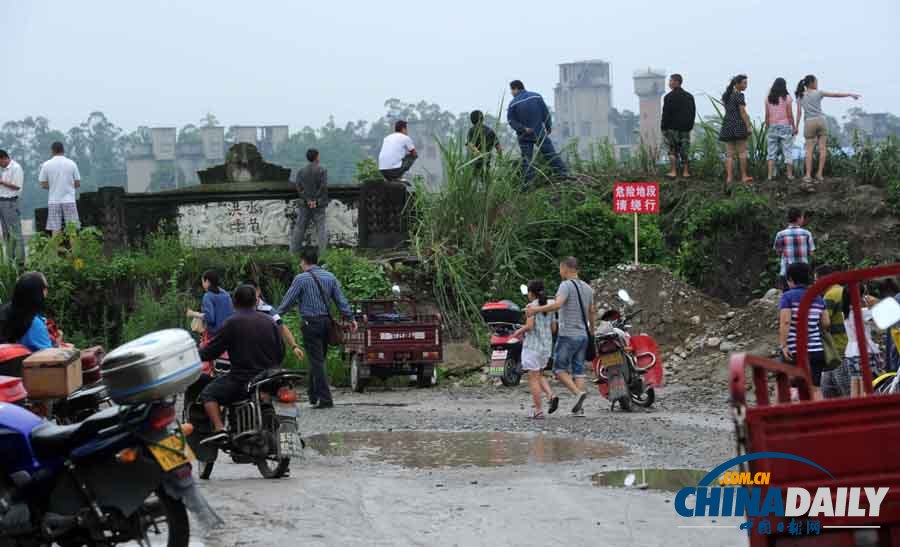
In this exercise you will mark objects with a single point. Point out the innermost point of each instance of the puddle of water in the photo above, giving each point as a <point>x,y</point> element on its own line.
<point>430,449</point>
<point>670,480</point>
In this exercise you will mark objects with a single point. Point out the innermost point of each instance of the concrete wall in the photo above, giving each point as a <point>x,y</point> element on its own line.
<point>650,85</point>
<point>138,172</point>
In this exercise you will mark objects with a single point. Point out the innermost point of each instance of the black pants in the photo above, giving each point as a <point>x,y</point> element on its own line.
<point>398,172</point>
<point>315,341</point>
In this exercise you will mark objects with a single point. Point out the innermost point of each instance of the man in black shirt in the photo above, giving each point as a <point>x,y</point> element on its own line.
<point>481,141</point>
<point>312,185</point>
<point>678,116</point>
<point>253,343</point>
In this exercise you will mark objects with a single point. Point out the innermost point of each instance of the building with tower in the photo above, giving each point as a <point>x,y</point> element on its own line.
<point>582,104</point>
<point>649,86</point>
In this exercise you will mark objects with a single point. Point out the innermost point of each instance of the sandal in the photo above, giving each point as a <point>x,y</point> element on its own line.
<point>807,179</point>
<point>554,404</point>
<point>536,414</point>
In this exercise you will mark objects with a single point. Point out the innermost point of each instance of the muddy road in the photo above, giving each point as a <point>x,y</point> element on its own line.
<point>464,466</point>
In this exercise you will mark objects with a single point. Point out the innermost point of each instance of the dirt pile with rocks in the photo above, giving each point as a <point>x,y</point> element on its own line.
<point>695,331</point>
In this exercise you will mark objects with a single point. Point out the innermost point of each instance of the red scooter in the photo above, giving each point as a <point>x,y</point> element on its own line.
<point>627,368</point>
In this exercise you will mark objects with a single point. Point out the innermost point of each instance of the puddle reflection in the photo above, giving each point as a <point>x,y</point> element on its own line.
<point>430,449</point>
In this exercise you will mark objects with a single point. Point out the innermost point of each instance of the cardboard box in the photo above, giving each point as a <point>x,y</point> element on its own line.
<point>52,373</point>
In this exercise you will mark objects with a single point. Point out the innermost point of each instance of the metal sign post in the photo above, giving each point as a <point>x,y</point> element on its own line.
<point>636,198</point>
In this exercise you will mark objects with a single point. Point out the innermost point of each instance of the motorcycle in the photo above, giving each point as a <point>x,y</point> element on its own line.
<point>121,475</point>
<point>627,368</point>
<point>263,427</point>
<point>504,318</point>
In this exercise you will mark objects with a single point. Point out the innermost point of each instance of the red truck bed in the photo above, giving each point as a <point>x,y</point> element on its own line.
<point>856,440</point>
<point>391,333</point>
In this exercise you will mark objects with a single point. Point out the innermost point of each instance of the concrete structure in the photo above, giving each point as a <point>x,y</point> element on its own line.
<point>582,103</point>
<point>649,85</point>
<point>180,162</point>
<point>430,166</point>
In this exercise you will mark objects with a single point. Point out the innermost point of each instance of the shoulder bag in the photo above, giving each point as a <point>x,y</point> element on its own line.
<point>591,353</point>
<point>335,330</point>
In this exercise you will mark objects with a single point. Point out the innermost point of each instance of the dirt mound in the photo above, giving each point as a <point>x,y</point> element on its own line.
<point>695,331</point>
<point>672,309</point>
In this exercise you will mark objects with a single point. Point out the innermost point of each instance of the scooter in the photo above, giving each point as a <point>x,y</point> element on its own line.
<point>504,318</point>
<point>627,368</point>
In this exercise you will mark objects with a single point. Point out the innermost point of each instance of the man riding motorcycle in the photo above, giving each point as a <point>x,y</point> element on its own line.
<point>254,343</point>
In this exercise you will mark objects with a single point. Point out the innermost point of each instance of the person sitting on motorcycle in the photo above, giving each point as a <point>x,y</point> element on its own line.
<point>268,309</point>
<point>538,331</point>
<point>254,344</point>
<point>23,319</point>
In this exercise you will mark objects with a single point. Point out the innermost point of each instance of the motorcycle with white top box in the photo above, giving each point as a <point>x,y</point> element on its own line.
<point>121,475</point>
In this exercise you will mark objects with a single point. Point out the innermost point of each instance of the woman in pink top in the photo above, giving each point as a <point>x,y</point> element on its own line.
<point>781,127</point>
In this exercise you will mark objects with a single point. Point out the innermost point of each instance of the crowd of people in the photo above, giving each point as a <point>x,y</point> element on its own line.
<point>782,125</point>
<point>833,351</point>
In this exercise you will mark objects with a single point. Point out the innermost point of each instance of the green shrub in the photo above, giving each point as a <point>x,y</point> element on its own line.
<point>360,278</point>
<point>893,196</point>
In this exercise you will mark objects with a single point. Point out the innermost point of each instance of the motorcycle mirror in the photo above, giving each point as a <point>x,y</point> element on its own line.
<point>523,289</point>
<point>396,290</point>
<point>625,297</point>
<point>886,313</point>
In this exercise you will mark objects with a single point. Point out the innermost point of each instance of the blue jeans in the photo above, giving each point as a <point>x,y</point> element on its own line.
<point>570,351</point>
<point>546,150</point>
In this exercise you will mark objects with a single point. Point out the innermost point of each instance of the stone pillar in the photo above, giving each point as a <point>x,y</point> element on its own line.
<point>213,144</point>
<point>163,143</point>
<point>650,85</point>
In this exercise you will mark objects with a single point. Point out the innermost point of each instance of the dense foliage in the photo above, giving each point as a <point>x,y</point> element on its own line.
<point>109,299</point>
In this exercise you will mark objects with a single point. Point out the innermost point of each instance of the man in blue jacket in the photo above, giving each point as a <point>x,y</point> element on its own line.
<point>530,118</point>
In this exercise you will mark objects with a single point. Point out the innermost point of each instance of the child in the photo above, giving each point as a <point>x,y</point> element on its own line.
<point>538,331</point>
<point>852,360</point>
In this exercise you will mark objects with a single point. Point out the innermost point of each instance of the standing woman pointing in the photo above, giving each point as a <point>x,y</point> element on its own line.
<point>815,128</point>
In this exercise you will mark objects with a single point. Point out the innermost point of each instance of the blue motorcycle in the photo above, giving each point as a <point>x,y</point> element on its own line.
<point>122,475</point>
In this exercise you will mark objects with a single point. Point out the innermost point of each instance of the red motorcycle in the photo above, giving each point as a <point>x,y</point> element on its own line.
<point>628,368</point>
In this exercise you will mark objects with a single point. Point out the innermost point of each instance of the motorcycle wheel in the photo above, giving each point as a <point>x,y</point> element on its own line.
<point>625,403</point>
<point>272,466</point>
<point>512,375</point>
<point>645,400</point>
<point>164,521</point>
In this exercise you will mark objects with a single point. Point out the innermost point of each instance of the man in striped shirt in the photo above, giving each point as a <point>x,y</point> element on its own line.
<point>314,308</point>
<point>793,244</point>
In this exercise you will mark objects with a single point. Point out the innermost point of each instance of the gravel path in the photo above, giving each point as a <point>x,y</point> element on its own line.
<point>356,499</point>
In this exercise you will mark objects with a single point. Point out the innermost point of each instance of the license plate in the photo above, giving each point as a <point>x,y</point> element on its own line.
<point>497,369</point>
<point>499,355</point>
<point>287,409</point>
<point>611,359</point>
<point>172,452</point>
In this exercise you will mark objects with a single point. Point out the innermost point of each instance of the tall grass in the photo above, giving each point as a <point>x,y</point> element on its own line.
<point>472,235</point>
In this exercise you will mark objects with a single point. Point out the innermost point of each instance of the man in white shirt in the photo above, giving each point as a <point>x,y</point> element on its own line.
<point>60,175</point>
<point>398,153</point>
<point>11,179</point>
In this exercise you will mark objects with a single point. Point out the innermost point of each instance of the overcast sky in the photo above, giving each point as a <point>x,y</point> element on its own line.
<point>272,62</point>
